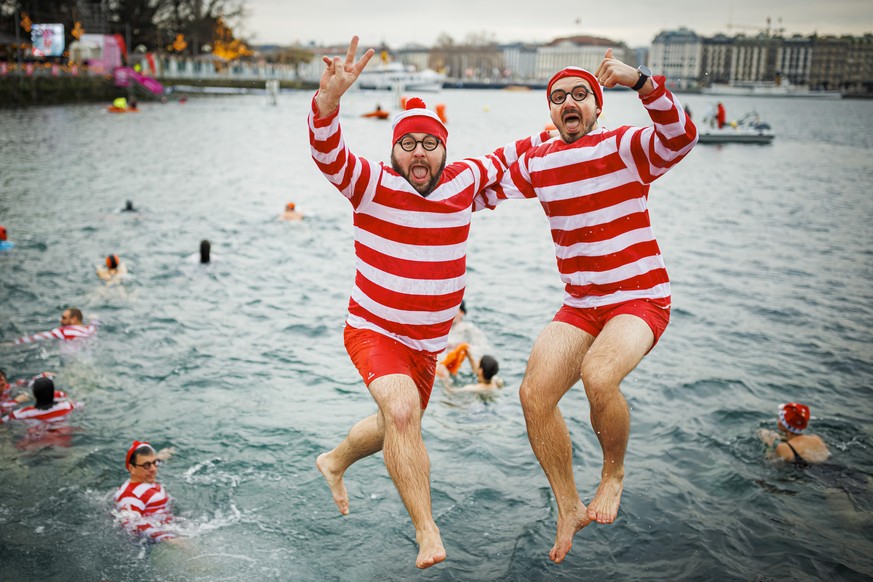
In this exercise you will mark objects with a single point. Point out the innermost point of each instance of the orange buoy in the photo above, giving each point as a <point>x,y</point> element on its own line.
<point>441,112</point>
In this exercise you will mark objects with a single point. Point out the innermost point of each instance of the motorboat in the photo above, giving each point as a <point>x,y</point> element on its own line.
<point>769,90</point>
<point>398,77</point>
<point>750,128</point>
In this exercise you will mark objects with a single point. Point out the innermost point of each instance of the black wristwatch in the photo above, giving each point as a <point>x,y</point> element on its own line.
<point>645,73</point>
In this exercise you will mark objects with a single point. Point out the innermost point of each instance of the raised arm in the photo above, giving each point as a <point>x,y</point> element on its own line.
<point>338,76</point>
<point>655,149</point>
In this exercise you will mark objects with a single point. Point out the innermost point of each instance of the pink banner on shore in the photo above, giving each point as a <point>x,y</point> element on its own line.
<point>28,69</point>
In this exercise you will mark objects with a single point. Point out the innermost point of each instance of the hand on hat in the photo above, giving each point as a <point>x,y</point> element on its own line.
<point>338,76</point>
<point>612,72</point>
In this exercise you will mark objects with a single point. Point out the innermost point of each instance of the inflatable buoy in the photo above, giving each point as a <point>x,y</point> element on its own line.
<point>441,111</point>
<point>455,358</point>
<point>377,114</point>
<point>549,127</point>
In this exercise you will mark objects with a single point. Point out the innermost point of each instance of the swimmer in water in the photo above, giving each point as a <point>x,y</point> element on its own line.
<point>71,328</point>
<point>290,213</point>
<point>486,372</point>
<point>128,207</point>
<point>789,443</point>
<point>5,245</point>
<point>143,502</point>
<point>114,271</point>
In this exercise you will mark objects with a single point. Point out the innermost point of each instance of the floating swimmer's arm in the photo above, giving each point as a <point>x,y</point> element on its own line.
<point>56,333</point>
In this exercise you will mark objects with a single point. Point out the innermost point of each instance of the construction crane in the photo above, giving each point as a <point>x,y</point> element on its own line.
<point>768,30</point>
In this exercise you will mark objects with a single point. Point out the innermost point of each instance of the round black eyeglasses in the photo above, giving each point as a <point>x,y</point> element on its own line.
<point>409,143</point>
<point>578,93</point>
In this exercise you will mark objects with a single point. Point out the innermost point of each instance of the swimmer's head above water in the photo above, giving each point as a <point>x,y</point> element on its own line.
<point>43,392</point>
<point>2,232</point>
<point>793,417</point>
<point>111,261</point>
<point>205,248</point>
<point>137,448</point>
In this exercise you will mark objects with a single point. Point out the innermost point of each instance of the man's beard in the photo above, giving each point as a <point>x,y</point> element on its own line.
<point>585,130</point>
<point>427,188</point>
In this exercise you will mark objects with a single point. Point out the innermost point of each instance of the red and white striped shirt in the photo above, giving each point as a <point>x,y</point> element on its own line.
<point>411,251</point>
<point>34,417</point>
<point>65,332</point>
<point>145,509</point>
<point>595,193</point>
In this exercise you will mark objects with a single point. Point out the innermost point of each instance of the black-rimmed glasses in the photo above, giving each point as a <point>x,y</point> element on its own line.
<point>148,464</point>
<point>578,93</point>
<point>409,143</point>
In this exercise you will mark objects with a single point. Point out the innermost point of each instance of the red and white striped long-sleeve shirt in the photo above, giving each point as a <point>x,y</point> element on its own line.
<point>595,194</point>
<point>145,509</point>
<point>34,417</point>
<point>65,332</point>
<point>410,251</point>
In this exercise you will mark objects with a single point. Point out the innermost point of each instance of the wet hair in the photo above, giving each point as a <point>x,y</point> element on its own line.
<point>128,206</point>
<point>463,307</point>
<point>111,261</point>
<point>140,450</point>
<point>76,313</point>
<point>489,367</point>
<point>205,247</point>
<point>44,393</point>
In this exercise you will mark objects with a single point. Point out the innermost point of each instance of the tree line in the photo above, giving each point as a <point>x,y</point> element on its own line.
<point>183,26</point>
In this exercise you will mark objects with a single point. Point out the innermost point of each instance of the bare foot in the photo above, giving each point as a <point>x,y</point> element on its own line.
<point>335,482</point>
<point>430,549</point>
<point>567,528</point>
<point>604,507</point>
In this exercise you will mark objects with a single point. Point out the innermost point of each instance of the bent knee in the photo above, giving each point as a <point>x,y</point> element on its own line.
<point>598,383</point>
<point>402,415</point>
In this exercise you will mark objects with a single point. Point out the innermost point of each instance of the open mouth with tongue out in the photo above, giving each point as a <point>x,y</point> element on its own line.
<point>419,172</point>
<point>572,121</point>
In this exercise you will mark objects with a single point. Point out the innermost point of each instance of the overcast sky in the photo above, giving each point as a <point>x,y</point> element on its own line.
<point>635,22</point>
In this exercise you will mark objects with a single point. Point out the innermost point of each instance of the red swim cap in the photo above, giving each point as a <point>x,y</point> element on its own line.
<point>794,416</point>
<point>2,232</point>
<point>289,206</point>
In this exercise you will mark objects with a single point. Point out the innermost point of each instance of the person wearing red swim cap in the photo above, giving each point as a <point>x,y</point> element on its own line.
<point>114,271</point>
<point>593,184</point>
<point>142,503</point>
<point>412,221</point>
<point>789,443</point>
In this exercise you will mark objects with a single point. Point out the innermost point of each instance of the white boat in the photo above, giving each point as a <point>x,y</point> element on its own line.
<point>768,90</point>
<point>749,129</point>
<point>397,77</point>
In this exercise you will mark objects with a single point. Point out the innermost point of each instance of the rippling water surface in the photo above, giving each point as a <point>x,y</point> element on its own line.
<point>240,366</point>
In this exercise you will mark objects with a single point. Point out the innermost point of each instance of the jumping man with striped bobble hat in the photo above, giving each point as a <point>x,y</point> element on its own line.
<point>412,221</point>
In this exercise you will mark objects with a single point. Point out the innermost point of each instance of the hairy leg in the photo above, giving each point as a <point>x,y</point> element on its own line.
<point>407,461</point>
<point>618,349</point>
<point>364,439</point>
<point>552,370</point>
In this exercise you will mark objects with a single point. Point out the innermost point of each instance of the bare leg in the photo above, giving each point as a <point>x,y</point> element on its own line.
<point>618,349</point>
<point>407,461</point>
<point>552,370</point>
<point>364,439</point>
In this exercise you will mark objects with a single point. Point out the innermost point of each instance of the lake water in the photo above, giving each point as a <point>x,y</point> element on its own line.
<point>240,366</point>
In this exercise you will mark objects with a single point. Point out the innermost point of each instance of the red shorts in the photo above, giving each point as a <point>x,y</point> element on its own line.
<point>375,355</point>
<point>655,312</point>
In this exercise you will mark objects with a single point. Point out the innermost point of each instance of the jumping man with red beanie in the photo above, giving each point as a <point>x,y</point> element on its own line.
<point>411,226</point>
<point>593,184</point>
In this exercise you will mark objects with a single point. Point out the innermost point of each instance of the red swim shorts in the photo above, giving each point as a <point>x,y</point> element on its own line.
<point>375,355</point>
<point>655,312</point>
